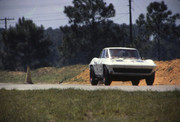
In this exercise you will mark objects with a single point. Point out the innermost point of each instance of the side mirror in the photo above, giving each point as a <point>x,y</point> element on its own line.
<point>143,58</point>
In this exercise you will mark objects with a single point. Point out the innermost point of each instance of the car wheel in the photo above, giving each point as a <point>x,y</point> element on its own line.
<point>135,82</point>
<point>93,77</point>
<point>106,77</point>
<point>150,79</point>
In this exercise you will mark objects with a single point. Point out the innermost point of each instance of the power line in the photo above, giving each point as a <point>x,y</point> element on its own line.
<point>5,20</point>
<point>38,20</point>
<point>44,14</point>
<point>137,6</point>
<point>120,17</point>
<point>121,13</point>
<point>50,19</point>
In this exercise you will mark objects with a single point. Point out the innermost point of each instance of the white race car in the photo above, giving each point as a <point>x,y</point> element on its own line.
<point>121,64</point>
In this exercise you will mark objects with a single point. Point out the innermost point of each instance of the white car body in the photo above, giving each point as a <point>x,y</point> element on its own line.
<point>124,67</point>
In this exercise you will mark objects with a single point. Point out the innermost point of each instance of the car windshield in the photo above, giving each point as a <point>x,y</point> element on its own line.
<point>124,53</point>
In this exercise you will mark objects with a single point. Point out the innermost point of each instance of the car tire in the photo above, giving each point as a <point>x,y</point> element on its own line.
<point>150,79</point>
<point>135,82</point>
<point>106,77</point>
<point>93,79</point>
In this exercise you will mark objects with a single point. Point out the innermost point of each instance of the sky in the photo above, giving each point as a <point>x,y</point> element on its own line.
<point>49,13</point>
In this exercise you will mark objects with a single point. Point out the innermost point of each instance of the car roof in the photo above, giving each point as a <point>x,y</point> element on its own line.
<point>127,48</point>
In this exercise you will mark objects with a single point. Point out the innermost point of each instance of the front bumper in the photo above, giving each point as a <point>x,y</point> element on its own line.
<point>131,70</point>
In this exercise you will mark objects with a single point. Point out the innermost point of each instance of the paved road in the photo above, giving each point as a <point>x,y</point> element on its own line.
<point>161,88</point>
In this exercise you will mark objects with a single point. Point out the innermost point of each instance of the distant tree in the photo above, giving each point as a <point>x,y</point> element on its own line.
<point>89,31</point>
<point>88,12</point>
<point>55,35</point>
<point>158,24</point>
<point>141,41</point>
<point>25,45</point>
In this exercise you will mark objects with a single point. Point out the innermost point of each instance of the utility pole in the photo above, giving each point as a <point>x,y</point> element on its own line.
<point>130,22</point>
<point>6,19</point>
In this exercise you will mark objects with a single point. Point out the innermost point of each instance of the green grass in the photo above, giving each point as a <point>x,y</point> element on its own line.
<point>43,75</point>
<point>78,105</point>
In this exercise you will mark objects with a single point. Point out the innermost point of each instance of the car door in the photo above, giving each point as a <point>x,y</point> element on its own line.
<point>102,61</point>
<point>99,62</point>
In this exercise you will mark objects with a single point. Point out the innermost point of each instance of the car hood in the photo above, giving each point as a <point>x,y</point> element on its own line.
<point>137,62</point>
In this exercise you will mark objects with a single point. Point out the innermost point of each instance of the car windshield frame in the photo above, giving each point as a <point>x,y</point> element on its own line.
<point>124,53</point>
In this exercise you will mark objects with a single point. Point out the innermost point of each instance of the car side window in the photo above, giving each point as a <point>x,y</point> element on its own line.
<point>107,56</point>
<point>102,54</point>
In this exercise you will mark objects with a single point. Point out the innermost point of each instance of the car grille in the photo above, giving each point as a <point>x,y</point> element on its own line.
<point>130,70</point>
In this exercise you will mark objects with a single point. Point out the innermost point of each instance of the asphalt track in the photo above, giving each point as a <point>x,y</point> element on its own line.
<point>158,88</point>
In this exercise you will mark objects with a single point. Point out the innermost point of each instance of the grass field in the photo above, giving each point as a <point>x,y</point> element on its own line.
<point>167,73</point>
<point>78,105</point>
<point>44,75</point>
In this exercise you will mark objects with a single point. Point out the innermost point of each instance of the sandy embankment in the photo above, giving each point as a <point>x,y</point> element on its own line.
<point>167,73</point>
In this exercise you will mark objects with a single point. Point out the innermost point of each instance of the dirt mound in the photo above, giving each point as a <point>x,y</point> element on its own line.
<point>167,73</point>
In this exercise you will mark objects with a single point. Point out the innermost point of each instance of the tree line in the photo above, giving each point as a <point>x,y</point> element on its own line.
<point>155,34</point>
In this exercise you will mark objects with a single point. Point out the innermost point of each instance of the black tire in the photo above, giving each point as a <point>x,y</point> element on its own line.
<point>106,77</point>
<point>135,82</point>
<point>93,79</point>
<point>150,79</point>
